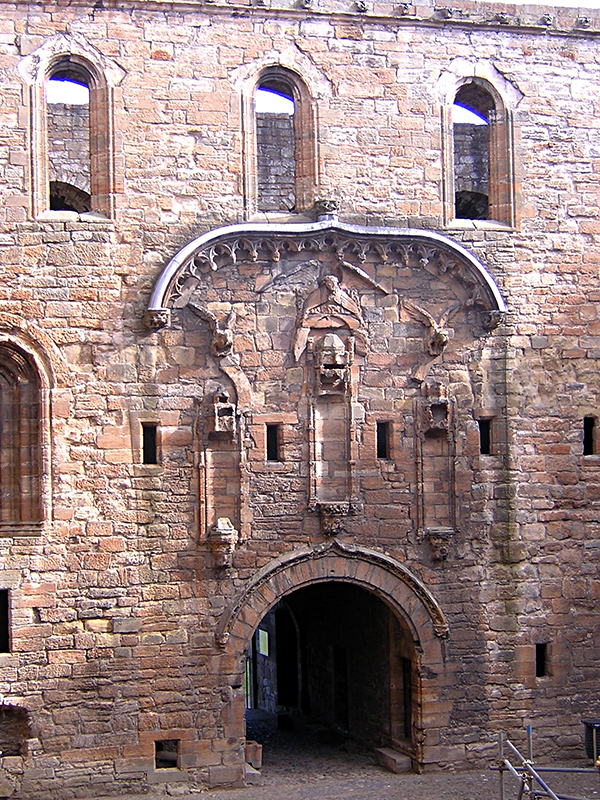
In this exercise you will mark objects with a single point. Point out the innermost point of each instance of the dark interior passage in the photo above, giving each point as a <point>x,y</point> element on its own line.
<point>333,656</point>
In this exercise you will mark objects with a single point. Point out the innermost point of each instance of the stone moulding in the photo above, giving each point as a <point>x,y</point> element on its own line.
<point>253,242</point>
<point>334,547</point>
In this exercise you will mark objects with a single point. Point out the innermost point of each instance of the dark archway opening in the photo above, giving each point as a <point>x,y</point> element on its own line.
<point>332,661</point>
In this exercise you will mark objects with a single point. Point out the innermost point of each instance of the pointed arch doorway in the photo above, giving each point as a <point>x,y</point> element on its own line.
<point>367,648</point>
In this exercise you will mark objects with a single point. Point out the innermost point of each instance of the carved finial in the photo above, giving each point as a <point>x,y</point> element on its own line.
<point>327,209</point>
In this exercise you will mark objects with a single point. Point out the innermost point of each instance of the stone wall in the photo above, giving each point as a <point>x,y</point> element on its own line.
<point>276,162</point>
<point>116,606</point>
<point>69,144</point>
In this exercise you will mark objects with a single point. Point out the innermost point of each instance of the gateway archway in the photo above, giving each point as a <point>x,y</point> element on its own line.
<point>319,589</point>
<point>333,658</point>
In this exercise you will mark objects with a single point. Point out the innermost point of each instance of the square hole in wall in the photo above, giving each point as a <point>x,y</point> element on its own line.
<point>166,754</point>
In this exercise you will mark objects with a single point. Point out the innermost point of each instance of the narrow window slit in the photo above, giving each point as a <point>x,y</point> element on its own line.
<point>273,435</point>
<point>166,754</point>
<point>589,427</point>
<point>4,621</point>
<point>541,660</point>
<point>149,443</point>
<point>485,436</point>
<point>383,440</point>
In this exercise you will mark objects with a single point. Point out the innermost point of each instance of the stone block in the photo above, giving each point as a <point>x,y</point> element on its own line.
<point>392,760</point>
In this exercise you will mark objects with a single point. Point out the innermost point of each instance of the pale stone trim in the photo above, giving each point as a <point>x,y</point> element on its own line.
<point>504,182</point>
<point>159,299</point>
<point>104,75</point>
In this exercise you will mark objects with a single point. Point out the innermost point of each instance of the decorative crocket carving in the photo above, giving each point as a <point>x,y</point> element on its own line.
<point>436,338</point>
<point>222,336</point>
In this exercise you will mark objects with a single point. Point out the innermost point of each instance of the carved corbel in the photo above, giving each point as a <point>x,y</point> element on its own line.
<point>157,318</point>
<point>439,541</point>
<point>332,517</point>
<point>492,319</point>
<point>222,540</point>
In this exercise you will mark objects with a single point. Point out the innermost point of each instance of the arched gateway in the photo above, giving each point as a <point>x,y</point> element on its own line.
<point>411,603</point>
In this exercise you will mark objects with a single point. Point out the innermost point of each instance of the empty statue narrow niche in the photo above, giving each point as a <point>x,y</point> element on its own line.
<point>68,132</point>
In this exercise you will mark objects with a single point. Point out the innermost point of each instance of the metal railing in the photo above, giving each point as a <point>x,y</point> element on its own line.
<point>531,784</point>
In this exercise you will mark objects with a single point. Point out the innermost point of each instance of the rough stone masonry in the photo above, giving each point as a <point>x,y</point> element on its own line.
<point>332,457</point>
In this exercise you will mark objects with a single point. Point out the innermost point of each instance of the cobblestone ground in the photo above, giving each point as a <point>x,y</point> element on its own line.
<point>301,768</point>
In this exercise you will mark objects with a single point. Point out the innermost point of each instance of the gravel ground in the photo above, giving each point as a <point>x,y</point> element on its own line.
<point>302,768</point>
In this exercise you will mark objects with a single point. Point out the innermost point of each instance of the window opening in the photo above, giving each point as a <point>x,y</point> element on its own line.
<point>589,427</point>
<point>485,438</point>
<point>275,146</point>
<point>4,621</point>
<point>541,660</point>
<point>68,132</point>
<point>471,115</point>
<point>20,453</point>
<point>166,754</point>
<point>383,440</point>
<point>273,436</point>
<point>149,443</point>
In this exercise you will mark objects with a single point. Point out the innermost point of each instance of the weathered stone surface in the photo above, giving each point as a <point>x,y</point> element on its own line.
<point>345,373</point>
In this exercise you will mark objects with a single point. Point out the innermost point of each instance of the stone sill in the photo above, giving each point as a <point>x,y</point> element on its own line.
<point>272,217</point>
<point>9,529</point>
<point>72,216</point>
<point>478,225</point>
<point>166,775</point>
<point>147,470</point>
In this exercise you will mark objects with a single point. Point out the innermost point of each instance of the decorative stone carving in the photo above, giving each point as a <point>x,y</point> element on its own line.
<point>156,318</point>
<point>329,307</point>
<point>436,338</point>
<point>327,208</point>
<point>222,334</point>
<point>435,411</point>
<point>438,256</point>
<point>332,517</point>
<point>222,540</point>
<point>439,541</point>
<point>492,319</point>
<point>221,416</point>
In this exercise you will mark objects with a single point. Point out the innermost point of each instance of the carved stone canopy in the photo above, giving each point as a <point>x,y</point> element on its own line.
<point>350,245</point>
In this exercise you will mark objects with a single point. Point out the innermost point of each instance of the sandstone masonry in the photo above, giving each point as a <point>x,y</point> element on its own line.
<point>364,428</point>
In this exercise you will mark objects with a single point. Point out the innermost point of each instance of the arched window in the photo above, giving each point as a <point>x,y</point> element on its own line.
<point>274,109</point>
<point>72,131</point>
<point>280,144</point>
<point>78,170</point>
<point>20,442</point>
<point>482,181</point>
<point>470,128</point>
<point>68,132</point>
